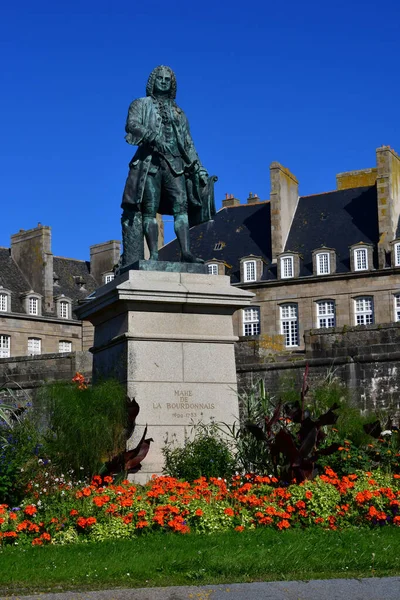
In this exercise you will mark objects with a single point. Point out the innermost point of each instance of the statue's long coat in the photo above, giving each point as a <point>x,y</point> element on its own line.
<point>143,122</point>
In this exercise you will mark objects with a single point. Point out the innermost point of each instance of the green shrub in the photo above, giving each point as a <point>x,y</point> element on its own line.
<point>207,455</point>
<point>85,427</point>
<point>19,444</point>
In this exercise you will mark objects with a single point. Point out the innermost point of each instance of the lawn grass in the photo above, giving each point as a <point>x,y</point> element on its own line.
<point>169,559</point>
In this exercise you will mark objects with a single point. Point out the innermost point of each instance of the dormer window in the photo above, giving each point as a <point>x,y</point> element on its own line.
<point>249,270</point>
<point>64,312</point>
<point>396,253</point>
<point>33,305</point>
<point>5,304</point>
<point>108,277</point>
<point>287,267</point>
<point>323,263</point>
<point>360,259</point>
<point>64,307</point>
<point>212,269</point>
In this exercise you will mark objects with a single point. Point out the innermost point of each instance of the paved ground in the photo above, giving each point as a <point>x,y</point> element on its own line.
<point>387,588</point>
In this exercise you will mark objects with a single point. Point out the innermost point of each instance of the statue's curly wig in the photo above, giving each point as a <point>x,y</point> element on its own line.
<point>152,78</point>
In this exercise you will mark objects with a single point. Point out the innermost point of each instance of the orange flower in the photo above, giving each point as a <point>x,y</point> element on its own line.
<point>142,524</point>
<point>199,513</point>
<point>229,512</point>
<point>108,479</point>
<point>13,516</point>
<point>73,512</point>
<point>309,495</point>
<point>37,542</point>
<point>10,534</point>
<point>46,536</point>
<point>239,528</point>
<point>283,524</point>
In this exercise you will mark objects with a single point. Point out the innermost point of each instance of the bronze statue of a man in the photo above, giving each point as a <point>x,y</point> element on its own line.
<point>165,175</point>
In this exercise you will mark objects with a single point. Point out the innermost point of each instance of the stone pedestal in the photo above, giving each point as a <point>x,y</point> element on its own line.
<point>168,337</point>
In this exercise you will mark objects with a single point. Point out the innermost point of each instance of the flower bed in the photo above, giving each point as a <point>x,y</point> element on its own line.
<point>105,510</point>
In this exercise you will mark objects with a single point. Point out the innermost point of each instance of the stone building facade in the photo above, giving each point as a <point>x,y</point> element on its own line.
<point>312,262</point>
<point>39,293</point>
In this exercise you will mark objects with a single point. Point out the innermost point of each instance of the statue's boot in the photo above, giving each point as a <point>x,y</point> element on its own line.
<point>189,258</point>
<point>181,226</point>
<point>150,228</point>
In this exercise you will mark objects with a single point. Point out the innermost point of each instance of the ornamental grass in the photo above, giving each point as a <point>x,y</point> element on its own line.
<point>104,509</point>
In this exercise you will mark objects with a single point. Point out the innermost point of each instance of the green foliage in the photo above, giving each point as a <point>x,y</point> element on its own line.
<point>252,455</point>
<point>86,427</point>
<point>207,455</point>
<point>19,445</point>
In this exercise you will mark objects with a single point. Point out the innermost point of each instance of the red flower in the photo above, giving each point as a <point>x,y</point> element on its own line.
<point>239,528</point>
<point>230,512</point>
<point>199,513</point>
<point>30,510</point>
<point>73,512</point>
<point>309,495</point>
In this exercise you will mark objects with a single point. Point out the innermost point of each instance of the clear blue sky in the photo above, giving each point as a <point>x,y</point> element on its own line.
<point>314,85</point>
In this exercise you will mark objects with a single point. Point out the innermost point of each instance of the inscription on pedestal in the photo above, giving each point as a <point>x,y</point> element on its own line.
<point>185,403</point>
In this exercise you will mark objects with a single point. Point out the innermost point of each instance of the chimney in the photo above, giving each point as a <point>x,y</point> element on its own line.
<point>284,198</point>
<point>31,251</point>
<point>356,179</point>
<point>103,258</point>
<point>388,192</point>
<point>230,200</point>
<point>253,198</point>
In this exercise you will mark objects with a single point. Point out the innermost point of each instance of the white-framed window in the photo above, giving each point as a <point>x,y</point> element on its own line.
<point>249,270</point>
<point>212,269</point>
<point>5,343</point>
<point>33,305</point>
<point>64,346</point>
<point>109,277</point>
<point>3,302</point>
<point>323,263</point>
<point>251,321</point>
<point>326,314</point>
<point>360,259</point>
<point>34,346</point>
<point>64,309</point>
<point>364,310</point>
<point>290,324</point>
<point>287,269</point>
<point>397,308</point>
<point>397,255</point>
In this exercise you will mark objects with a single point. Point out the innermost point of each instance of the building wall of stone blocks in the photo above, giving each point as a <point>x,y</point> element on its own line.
<point>373,381</point>
<point>25,374</point>
<point>50,331</point>
<point>382,285</point>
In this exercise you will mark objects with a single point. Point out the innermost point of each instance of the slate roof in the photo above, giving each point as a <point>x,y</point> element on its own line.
<point>68,272</point>
<point>242,230</point>
<point>336,220</point>
<point>12,279</point>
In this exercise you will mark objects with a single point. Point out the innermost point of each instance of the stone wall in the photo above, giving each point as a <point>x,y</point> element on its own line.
<point>364,358</point>
<point>26,373</point>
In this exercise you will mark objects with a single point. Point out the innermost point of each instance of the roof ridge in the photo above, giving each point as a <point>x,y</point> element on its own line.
<point>67,258</point>
<point>361,187</point>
